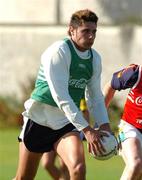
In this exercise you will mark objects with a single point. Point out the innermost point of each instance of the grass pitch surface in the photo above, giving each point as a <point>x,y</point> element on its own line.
<point>96,170</point>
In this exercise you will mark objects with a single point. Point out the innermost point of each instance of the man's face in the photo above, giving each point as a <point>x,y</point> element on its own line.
<point>84,35</point>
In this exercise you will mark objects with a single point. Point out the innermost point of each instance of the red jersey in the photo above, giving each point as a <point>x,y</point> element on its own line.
<point>133,106</point>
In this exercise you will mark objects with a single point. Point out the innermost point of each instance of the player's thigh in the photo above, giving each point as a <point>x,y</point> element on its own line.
<point>131,150</point>
<point>28,161</point>
<point>48,157</point>
<point>70,149</point>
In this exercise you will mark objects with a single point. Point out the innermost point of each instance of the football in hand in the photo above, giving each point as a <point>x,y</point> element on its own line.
<point>110,145</point>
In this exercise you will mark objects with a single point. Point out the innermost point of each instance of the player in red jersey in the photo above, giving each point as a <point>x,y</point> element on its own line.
<point>130,127</point>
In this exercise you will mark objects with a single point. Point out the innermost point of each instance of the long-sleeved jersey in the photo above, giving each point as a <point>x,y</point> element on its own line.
<point>133,106</point>
<point>64,74</point>
<point>130,77</point>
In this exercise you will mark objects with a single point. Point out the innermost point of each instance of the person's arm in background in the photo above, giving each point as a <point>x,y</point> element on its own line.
<point>108,93</point>
<point>84,109</point>
<point>121,80</point>
<point>85,112</point>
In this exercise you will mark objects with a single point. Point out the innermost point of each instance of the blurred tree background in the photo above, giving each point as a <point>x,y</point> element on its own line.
<point>11,108</point>
<point>31,28</point>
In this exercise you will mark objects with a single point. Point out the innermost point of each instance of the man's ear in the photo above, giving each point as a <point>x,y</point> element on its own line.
<point>71,30</point>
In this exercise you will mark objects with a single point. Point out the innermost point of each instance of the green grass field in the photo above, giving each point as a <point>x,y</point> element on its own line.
<point>96,170</point>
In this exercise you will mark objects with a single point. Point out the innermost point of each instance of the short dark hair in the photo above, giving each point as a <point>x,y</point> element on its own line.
<point>82,16</point>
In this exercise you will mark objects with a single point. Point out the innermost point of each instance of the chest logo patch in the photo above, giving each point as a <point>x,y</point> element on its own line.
<point>139,101</point>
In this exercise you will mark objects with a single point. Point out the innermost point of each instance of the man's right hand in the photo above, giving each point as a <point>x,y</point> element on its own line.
<point>93,138</point>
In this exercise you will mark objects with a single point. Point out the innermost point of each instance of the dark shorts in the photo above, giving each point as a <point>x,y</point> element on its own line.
<point>41,139</point>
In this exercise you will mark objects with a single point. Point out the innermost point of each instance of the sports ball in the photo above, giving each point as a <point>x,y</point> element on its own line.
<point>110,144</point>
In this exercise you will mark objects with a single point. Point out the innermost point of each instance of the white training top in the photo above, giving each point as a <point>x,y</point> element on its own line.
<point>56,62</point>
